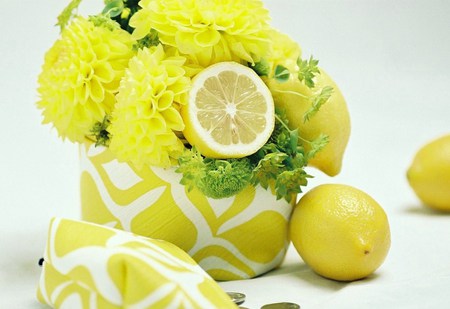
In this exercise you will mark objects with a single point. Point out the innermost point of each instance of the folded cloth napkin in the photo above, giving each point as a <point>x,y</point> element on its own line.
<point>91,266</point>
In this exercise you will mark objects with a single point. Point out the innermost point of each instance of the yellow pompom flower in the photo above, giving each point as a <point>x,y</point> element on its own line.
<point>146,116</point>
<point>283,51</point>
<point>209,31</point>
<point>81,75</point>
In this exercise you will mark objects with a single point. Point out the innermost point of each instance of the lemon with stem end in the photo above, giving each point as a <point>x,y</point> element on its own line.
<point>340,232</point>
<point>333,118</point>
<point>230,111</point>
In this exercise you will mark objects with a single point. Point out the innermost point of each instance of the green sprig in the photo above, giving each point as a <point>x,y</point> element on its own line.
<point>281,161</point>
<point>317,145</point>
<point>281,74</point>
<point>121,11</point>
<point>66,15</point>
<point>306,74</point>
<point>268,169</point>
<point>262,68</point>
<point>289,183</point>
<point>192,167</point>
<point>308,70</point>
<point>100,132</point>
<point>278,165</point>
<point>104,21</point>
<point>113,8</point>
<point>151,39</point>
<point>317,101</point>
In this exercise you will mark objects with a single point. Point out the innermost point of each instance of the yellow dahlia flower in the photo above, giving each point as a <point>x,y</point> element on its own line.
<point>80,76</point>
<point>208,30</point>
<point>147,109</point>
<point>283,51</point>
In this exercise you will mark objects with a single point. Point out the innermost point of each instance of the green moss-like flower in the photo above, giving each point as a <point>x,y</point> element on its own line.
<point>81,75</point>
<point>226,178</point>
<point>147,115</point>
<point>215,178</point>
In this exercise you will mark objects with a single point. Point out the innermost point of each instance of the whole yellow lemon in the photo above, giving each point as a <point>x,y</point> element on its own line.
<point>429,174</point>
<point>340,232</point>
<point>333,118</point>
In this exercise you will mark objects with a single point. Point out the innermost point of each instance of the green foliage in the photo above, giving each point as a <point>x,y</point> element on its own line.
<point>214,177</point>
<point>113,8</point>
<point>281,161</point>
<point>225,178</point>
<point>261,68</point>
<point>288,183</point>
<point>278,165</point>
<point>100,132</point>
<point>268,169</point>
<point>104,21</point>
<point>317,101</point>
<point>281,74</point>
<point>117,10</point>
<point>307,70</point>
<point>66,15</point>
<point>317,145</point>
<point>193,168</point>
<point>121,11</point>
<point>151,39</point>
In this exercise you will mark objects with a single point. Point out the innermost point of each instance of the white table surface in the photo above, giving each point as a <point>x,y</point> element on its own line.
<point>391,60</point>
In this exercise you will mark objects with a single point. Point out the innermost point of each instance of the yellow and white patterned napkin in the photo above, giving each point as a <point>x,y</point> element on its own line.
<point>91,266</point>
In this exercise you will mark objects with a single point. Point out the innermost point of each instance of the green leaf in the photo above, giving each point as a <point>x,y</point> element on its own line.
<point>66,15</point>
<point>113,8</point>
<point>317,145</point>
<point>104,21</point>
<point>307,71</point>
<point>261,68</point>
<point>317,101</point>
<point>281,161</point>
<point>151,39</point>
<point>100,132</point>
<point>281,74</point>
<point>278,165</point>
<point>192,167</point>
<point>288,183</point>
<point>268,169</point>
<point>293,140</point>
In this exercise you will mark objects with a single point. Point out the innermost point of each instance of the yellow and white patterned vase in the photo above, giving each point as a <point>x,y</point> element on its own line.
<point>92,266</point>
<point>233,238</point>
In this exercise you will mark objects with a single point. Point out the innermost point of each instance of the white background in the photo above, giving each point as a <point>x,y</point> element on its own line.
<point>391,60</point>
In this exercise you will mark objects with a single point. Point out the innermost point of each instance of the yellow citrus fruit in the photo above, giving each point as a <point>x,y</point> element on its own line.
<point>230,112</point>
<point>340,232</point>
<point>429,174</point>
<point>333,118</point>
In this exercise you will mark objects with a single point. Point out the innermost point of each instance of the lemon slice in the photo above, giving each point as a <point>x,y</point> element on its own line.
<point>230,112</point>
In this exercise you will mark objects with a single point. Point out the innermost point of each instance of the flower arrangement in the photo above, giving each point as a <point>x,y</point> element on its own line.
<point>120,79</point>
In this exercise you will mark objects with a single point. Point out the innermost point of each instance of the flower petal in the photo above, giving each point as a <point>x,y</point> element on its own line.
<point>97,91</point>
<point>207,38</point>
<point>184,41</point>
<point>173,119</point>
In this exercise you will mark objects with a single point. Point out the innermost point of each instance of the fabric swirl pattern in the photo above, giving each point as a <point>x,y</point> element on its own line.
<point>232,238</point>
<point>91,266</point>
